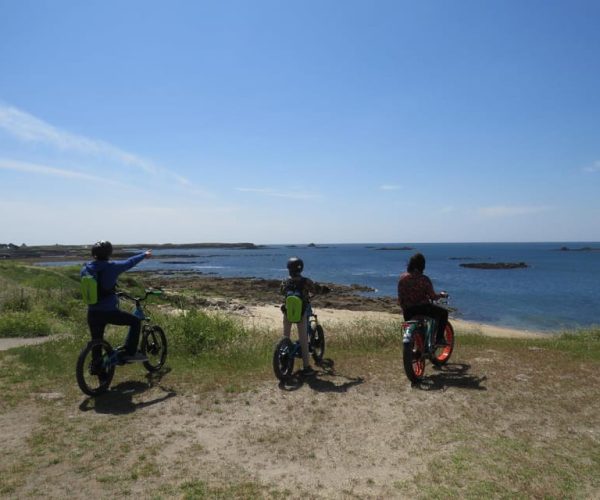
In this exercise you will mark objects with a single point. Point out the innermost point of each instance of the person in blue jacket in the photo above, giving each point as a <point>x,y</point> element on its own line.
<point>106,311</point>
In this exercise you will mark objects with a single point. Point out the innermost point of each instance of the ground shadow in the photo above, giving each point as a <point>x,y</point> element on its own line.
<point>119,399</point>
<point>313,380</point>
<point>452,375</point>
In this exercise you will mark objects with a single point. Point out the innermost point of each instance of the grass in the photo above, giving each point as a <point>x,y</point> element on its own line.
<point>36,301</point>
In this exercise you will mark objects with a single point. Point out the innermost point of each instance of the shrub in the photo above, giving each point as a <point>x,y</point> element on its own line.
<point>16,300</point>
<point>195,332</point>
<point>66,309</point>
<point>24,324</point>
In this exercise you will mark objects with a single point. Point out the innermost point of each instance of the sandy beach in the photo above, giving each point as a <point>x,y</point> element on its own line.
<point>270,316</point>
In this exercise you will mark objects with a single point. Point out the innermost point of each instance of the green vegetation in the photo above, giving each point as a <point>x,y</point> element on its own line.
<point>37,301</point>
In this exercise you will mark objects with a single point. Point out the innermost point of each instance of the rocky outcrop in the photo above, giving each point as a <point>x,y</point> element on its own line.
<point>398,249</point>
<point>582,249</point>
<point>495,265</point>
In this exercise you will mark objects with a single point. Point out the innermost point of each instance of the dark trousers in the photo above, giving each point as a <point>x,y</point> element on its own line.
<point>97,321</point>
<point>439,314</point>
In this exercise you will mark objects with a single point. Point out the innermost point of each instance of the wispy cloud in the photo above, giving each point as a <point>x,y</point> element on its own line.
<point>33,168</point>
<point>294,195</point>
<point>511,211</point>
<point>595,167</point>
<point>390,187</point>
<point>28,128</point>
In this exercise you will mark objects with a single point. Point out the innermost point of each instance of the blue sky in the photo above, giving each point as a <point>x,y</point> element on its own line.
<point>291,122</point>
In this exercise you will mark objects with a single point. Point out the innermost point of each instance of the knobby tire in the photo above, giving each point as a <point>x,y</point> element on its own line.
<point>91,384</point>
<point>283,359</point>
<point>154,346</point>
<point>413,356</point>
<point>442,354</point>
<point>318,344</point>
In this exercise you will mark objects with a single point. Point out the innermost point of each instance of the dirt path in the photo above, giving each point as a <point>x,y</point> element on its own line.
<point>357,429</point>
<point>6,344</point>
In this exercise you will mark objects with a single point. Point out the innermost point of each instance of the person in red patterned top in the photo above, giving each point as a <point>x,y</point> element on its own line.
<point>416,293</point>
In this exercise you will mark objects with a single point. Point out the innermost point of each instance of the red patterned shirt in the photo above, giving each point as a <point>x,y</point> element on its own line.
<point>414,289</point>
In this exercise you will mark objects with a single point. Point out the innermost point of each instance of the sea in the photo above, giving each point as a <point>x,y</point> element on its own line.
<point>558,290</point>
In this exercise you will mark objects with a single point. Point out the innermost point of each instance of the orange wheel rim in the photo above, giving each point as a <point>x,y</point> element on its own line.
<point>447,350</point>
<point>418,362</point>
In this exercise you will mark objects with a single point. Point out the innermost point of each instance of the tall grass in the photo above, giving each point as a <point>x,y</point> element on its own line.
<point>37,301</point>
<point>364,335</point>
<point>196,332</point>
<point>24,324</point>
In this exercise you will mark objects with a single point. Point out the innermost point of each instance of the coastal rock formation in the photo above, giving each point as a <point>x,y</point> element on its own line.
<point>495,265</point>
<point>208,291</point>
<point>395,248</point>
<point>582,249</point>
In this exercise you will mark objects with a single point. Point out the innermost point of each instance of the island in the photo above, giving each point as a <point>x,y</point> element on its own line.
<point>582,249</point>
<point>400,249</point>
<point>495,265</point>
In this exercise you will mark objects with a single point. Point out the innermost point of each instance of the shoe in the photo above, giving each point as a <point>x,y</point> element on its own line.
<point>307,372</point>
<point>133,358</point>
<point>441,343</point>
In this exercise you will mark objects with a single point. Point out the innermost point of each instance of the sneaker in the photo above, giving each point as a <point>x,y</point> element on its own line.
<point>441,343</point>
<point>133,358</point>
<point>307,372</point>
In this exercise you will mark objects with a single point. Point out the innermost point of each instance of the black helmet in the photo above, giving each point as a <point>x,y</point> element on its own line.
<point>102,250</point>
<point>295,266</point>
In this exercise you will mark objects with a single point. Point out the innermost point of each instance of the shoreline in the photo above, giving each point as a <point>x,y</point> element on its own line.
<point>270,316</point>
<point>257,300</point>
<point>258,295</point>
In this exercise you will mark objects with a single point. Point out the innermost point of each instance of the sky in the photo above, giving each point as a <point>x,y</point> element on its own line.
<point>329,121</point>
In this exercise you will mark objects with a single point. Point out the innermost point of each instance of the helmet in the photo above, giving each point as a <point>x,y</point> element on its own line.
<point>102,250</point>
<point>295,266</point>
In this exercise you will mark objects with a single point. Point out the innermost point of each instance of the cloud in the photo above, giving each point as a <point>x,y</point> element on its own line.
<point>34,168</point>
<point>511,211</point>
<point>294,195</point>
<point>595,167</point>
<point>28,128</point>
<point>390,187</point>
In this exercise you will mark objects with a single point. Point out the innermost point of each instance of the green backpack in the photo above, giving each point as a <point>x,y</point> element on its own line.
<point>294,303</point>
<point>294,307</point>
<point>90,287</point>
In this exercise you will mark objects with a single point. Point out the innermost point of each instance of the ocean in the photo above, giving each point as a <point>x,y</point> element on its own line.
<point>558,290</point>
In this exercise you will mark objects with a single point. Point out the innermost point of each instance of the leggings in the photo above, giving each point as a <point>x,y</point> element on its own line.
<point>97,321</point>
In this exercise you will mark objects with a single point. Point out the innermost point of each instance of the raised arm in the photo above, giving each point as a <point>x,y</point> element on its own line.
<point>123,265</point>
